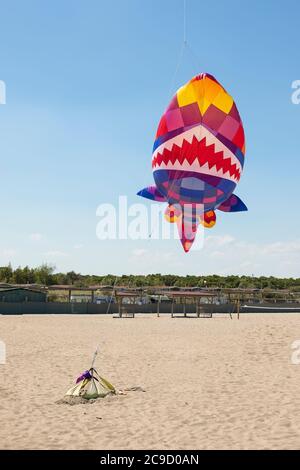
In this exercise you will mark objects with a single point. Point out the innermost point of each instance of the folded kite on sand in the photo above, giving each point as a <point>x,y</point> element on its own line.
<point>90,386</point>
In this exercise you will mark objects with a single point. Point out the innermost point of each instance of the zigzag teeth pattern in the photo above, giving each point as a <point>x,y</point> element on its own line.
<point>189,137</point>
<point>197,150</point>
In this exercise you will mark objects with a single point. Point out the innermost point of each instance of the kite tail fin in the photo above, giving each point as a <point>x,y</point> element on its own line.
<point>152,193</point>
<point>232,204</point>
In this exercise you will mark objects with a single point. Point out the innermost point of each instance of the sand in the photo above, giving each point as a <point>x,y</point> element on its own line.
<point>209,383</point>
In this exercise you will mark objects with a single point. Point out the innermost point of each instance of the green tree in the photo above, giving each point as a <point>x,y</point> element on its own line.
<point>44,274</point>
<point>6,273</point>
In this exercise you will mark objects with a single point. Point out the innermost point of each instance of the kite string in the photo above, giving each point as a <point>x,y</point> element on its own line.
<point>183,47</point>
<point>107,310</point>
<point>184,21</point>
<point>181,53</point>
<point>193,55</point>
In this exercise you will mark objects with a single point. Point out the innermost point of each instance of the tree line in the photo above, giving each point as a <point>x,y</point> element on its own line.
<point>46,275</point>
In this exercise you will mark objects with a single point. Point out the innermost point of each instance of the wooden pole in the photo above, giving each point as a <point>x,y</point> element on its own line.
<point>158,302</point>
<point>230,314</point>
<point>238,307</point>
<point>172,309</point>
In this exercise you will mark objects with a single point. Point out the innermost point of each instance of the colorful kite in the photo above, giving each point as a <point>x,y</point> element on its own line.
<point>198,157</point>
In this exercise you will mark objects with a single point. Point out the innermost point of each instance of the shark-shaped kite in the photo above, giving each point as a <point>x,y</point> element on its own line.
<point>198,157</point>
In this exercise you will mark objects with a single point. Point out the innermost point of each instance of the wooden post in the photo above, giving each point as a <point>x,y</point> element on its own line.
<point>184,307</point>
<point>158,302</point>
<point>198,307</point>
<point>238,307</point>
<point>172,310</point>
<point>69,295</point>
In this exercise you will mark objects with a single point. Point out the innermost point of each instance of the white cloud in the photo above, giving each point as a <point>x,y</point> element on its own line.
<point>78,246</point>
<point>55,254</point>
<point>139,252</point>
<point>218,240</point>
<point>225,255</point>
<point>217,254</point>
<point>8,252</point>
<point>282,247</point>
<point>249,265</point>
<point>36,237</point>
<point>269,249</point>
<point>150,260</point>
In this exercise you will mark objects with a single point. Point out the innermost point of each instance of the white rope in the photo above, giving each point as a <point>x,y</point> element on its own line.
<point>181,50</point>
<point>184,21</point>
<point>107,310</point>
<point>183,46</point>
<point>179,61</point>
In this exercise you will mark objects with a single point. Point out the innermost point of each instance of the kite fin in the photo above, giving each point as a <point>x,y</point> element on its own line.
<point>232,204</point>
<point>172,213</point>
<point>208,219</point>
<point>151,192</point>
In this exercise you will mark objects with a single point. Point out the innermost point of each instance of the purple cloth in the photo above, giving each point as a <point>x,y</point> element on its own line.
<point>86,375</point>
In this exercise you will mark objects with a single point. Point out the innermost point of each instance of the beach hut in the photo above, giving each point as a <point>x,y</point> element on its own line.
<point>127,303</point>
<point>202,301</point>
<point>21,294</point>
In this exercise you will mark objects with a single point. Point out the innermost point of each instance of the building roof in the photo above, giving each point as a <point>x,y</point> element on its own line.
<point>128,294</point>
<point>10,289</point>
<point>183,293</point>
<point>71,287</point>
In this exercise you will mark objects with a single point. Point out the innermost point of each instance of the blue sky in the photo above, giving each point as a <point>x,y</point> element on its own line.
<point>87,83</point>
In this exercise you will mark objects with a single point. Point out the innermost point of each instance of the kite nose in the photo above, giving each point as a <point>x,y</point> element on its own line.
<point>187,229</point>
<point>187,244</point>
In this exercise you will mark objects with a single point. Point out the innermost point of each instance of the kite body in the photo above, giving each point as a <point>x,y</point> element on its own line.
<point>198,157</point>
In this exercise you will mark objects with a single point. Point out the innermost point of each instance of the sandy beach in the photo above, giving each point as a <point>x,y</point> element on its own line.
<point>208,383</point>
